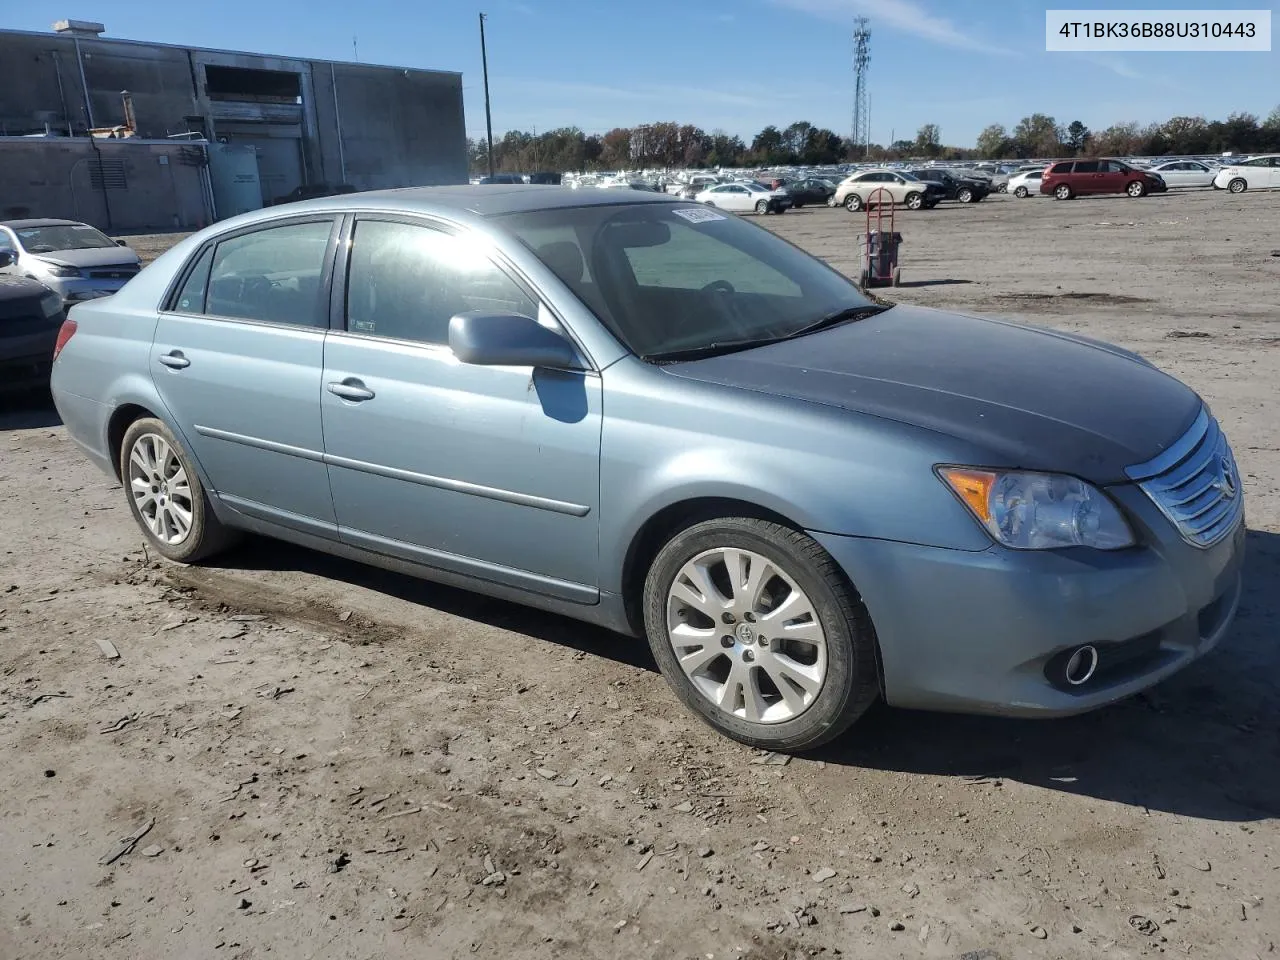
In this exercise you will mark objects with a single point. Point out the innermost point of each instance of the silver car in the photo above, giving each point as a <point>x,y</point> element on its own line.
<point>75,260</point>
<point>651,415</point>
<point>1185,173</point>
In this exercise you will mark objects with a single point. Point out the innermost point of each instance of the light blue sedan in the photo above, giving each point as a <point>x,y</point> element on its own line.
<point>651,415</point>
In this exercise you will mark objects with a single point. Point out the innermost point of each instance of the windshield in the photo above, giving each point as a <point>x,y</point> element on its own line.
<point>66,236</point>
<point>669,279</point>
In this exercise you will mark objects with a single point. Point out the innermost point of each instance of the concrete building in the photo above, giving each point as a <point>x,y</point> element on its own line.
<point>265,125</point>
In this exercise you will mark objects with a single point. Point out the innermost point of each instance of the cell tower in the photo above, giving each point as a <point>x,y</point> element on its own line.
<point>861,91</point>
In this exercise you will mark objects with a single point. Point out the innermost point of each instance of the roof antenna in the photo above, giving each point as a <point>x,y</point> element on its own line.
<point>355,48</point>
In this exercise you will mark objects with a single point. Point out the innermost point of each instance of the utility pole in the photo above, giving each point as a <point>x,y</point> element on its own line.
<point>488,119</point>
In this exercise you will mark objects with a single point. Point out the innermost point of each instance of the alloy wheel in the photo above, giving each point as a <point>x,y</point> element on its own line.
<point>747,637</point>
<point>160,488</point>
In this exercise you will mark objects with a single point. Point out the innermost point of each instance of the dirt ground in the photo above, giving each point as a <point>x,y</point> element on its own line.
<point>331,761</point>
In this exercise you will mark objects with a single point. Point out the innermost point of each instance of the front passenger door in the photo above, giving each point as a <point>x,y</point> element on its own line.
<point>488,471</point>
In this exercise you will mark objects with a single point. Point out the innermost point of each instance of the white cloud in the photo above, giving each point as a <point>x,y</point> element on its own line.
<point>905,16</point>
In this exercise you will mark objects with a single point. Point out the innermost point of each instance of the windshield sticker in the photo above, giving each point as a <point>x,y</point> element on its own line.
<point>700,215</point>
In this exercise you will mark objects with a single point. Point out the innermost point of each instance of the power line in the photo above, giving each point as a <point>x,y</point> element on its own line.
<point>861,133</point>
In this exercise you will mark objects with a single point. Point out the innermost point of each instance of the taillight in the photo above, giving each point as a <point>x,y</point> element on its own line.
<point>65,333</point>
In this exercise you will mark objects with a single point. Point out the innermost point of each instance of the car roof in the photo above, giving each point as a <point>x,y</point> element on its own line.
<point>485,200</point>
<point>22,224</point>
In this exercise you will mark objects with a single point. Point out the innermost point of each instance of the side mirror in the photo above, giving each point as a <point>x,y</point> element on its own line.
<point>508,340</point>
<point>7,258</point>
<point>122,243</point>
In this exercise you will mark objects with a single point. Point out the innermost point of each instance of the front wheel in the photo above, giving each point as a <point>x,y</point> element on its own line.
<point>1237,186</point>
<point>762,207</point>
<point>756,629</point>
<point>915,201</point>
<point>831,201</point>
<point>1021,192</point>
<point>1062,192</point>
<point>1136,189</point>
<point>853,203</point>
<point>166,497</point>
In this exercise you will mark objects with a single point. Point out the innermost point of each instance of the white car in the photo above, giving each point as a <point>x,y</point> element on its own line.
<point>1025,184</point>
<point>1258,173</point>
<point>1184,173</point>
<point>745,197</point>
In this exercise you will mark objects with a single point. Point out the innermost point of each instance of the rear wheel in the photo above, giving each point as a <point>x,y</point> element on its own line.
<point>762,207</point>
<point>756,629</point>
<point>965,195</point>
<point>853,203</point>
<point>831,201</point>
<point>915,201</point>
<point>1021,192</point>
<point>166,497</point>
<point>1136,188</point>
<point>1003,188</point>
<point>1062,192</point>
<point>1237,185</point>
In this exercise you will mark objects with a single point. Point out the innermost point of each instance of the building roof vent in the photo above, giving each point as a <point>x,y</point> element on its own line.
<point>78,28</point>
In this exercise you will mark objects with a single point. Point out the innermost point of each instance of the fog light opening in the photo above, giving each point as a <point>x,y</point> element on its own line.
<point>1081,665</point>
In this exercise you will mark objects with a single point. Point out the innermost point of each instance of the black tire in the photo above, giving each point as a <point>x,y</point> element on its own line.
<point>1237,185</point>
<point>851,684</point>
<point>914,201</point>
<point>795,205</point>
<point>1136,188</point>
<point>853,203</point>
<point>1003,188</point>
<point>206,535</point>
<point>763,207</point>
<point>965,195</point>
<point>1021,192</point>
<point>831,201</point>
<point>1062,192</point>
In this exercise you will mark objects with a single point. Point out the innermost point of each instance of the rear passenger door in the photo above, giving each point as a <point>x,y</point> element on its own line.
<point>1086,177</point>
<point>237,360</point>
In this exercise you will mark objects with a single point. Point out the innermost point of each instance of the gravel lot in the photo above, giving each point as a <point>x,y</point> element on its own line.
<point>336,762</point>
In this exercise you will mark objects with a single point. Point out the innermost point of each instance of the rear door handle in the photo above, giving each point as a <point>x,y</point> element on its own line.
<point>350,389</point>
<point>174,359</point>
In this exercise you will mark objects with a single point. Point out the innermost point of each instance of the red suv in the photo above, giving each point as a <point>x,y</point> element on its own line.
<point>1067,178</point>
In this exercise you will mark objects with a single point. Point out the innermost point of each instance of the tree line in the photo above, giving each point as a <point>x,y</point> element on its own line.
<point>669,145</point>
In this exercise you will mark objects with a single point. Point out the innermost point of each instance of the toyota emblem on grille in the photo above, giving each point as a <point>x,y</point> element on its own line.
<point>1226,482</point>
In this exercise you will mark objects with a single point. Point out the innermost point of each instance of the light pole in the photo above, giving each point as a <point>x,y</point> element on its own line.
<point>488,120</point>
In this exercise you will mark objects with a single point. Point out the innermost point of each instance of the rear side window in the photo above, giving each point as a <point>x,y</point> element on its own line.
<point>271,275</point>
<point>1060,168</point>
<point>191,297</point>
<point>1086,166</point>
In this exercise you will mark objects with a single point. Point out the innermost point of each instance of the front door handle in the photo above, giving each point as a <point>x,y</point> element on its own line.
<point>174,359</point>
<point>350,389</point>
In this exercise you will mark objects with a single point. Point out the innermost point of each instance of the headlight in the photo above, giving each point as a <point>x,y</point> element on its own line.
<point>1039,511</point>
<point>59,269</point>
<point>50,305</point>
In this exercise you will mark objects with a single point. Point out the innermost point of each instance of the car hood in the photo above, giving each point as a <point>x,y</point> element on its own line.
<point>1034,399</point>
<point>95,257</point>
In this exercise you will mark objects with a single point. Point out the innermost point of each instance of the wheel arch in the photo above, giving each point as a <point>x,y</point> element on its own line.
<point>121,419</point>
<point>664,523</point>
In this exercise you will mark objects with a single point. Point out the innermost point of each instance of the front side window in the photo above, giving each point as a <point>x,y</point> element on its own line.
<point>668,280</point>
<point>271,275</point>
<point>407,281</point>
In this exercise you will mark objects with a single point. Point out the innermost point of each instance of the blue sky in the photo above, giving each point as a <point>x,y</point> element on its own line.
<point>731,64</point>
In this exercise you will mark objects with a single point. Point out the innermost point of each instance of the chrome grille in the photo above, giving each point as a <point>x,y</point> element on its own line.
<point>1195,483</point>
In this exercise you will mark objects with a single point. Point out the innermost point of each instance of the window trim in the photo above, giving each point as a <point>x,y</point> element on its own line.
<point>342,278</point>
<point>169,301</point>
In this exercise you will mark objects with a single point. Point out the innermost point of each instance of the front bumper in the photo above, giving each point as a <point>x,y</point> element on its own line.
<point>985,632</point>
<point>76,289</point>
